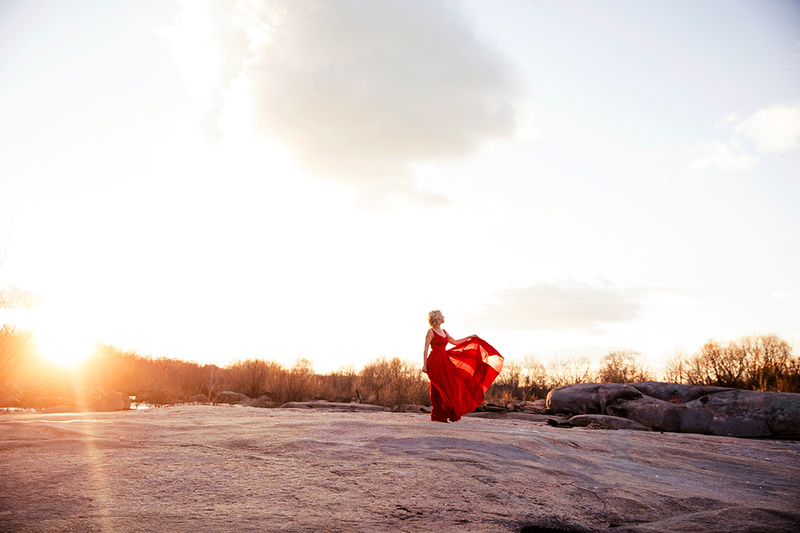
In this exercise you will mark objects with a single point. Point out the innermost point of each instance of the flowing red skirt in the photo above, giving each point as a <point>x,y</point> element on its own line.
<point>461,376</point>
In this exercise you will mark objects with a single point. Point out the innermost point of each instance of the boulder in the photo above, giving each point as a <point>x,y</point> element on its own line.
<point>413,408</point>
<point>743,413</point>
<point>608,422</point>
<point>586,398</point>
<point>491,408</point>
<point>321,404</point>
<point>231,397</point>
<point>685,408</point>
<point>675,392</point>
<point>662,416</point>
<point>517,405</point>
<point>262,401</point>
<point>536,406</point>
<point>113,401</point>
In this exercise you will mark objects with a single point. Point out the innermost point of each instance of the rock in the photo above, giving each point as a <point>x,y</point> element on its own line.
<point>608,422</point>
<point>262,401</point>
<point>517,405</point>
<point>113,401</point>
<point>199,398</point>
<point>195,468</point>
<point>413,408</point>
<point>675,392</point>
<point>662,416</point>
<point>231,397</point>
<point>334,406</point>
<point>685,408</point>
<point>491,408</point>
<point>536,406</point>
<point>558,424</point>
<point>530,417</point>
<point>586,398</point>
<point>743,413</point>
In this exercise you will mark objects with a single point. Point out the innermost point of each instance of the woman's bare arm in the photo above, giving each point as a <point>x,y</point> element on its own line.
<point>428,339</point>
<point>459,341</point>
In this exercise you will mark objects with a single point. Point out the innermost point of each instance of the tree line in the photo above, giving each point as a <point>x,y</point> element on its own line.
<point>28,380</point>
<point>762,362</point>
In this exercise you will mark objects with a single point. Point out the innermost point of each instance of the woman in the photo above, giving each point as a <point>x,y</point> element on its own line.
<point>459,376</point>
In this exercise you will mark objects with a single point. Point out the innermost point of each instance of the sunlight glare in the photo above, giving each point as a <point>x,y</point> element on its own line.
<point>63,341</point>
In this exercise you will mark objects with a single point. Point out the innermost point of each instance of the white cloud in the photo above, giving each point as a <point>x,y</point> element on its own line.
<point>360,89</point>
<point>563,306</point>
<point>774,129</point>
<point>210,49</point>
<point>769,130</point>
<point>716,154</point>
<point>732,118</point>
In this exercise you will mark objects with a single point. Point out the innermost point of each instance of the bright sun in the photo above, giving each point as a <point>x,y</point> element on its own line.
<point>63,342</point>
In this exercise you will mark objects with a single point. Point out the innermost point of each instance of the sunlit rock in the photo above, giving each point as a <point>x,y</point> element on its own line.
<point>607,422</point>
<point>113,401</point>
<point>685,408</point>
<point>231,397</point>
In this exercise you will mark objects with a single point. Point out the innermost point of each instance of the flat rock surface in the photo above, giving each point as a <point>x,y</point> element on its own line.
<point>199,468</point>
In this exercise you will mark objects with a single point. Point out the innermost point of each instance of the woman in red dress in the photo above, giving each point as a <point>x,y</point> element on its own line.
<point>459,376</point>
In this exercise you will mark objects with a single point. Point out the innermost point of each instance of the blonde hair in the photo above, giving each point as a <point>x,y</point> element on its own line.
<point>435,318</point>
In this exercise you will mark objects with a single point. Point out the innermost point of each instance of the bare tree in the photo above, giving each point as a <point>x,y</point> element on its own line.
<point>764,362</point>
<point>15,343</point>
<point>339,385</point>
<point>766,358</point>
<point>717,364</point>
<point>507,385</point>
<point>535,380</point>
<point>570,370</point>
<point>623,366</point>
<point>676,367</point>
<point>12,297</point>
<point>374,379</point>
<point>253,377</point>
<point>405,380</point>
<point>298,381</point>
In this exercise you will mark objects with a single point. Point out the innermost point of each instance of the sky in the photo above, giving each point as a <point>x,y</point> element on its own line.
<point>212,181</point>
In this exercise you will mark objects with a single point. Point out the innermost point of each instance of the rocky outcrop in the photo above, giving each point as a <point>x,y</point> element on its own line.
<point>589,398</point>
<point>607,422</point>
<point>685,408</point>
<point>195,468</point>
<point>262,401</point>
<point>231,397</point>
<point>112,401</point>
<point>334,406</point>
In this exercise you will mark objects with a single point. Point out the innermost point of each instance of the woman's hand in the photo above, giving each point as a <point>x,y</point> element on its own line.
<point>424,369</point>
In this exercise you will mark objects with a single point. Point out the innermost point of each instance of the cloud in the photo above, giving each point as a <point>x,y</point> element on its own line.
<point>774,129</point>
<point>359,90</point>
<point>716,154</point>
<point>770,130</point>
<point>562,306</point>
<point>210,48</point>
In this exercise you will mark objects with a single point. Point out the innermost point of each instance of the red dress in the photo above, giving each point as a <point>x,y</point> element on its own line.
<point>460,376</point>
